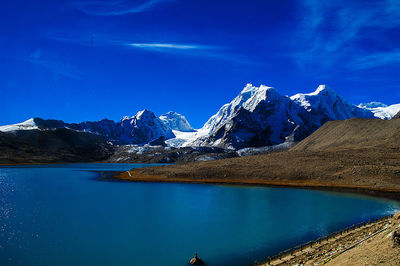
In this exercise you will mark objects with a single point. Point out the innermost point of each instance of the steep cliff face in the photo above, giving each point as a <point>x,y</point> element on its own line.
<point>143,128</point>
<point>176,121</point>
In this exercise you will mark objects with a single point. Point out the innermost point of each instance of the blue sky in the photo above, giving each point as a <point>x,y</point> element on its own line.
<point>88,60</point>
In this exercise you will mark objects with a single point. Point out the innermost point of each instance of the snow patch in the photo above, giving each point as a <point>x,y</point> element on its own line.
<point>381,110</point>
<point>26,125</point>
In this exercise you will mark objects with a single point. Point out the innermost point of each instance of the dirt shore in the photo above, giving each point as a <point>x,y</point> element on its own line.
<point>363,170</point>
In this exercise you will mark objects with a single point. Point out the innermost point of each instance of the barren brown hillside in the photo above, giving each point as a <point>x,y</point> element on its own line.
<point>356,153</point>
<point>354,133</point>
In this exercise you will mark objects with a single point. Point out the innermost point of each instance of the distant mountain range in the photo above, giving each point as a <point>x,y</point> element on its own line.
<point>257,117</point>
<point>141,128</point>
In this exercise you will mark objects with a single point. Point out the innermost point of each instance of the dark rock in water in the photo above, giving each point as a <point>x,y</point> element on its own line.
<point>396,116</point>
<point>396,238</point>
<point>196,260</point>
<point>52,146</point>
<point>158,142</point>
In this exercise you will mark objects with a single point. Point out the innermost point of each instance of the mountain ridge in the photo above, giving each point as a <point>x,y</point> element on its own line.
<point>260,116</point>
<point>256,117</point>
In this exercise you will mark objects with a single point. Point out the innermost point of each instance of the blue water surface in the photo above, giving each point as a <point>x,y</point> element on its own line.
<point>61,215</point>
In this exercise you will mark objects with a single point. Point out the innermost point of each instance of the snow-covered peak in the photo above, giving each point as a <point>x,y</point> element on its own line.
<point>322,93</point>
<point>126,118</point>
<point>326,103</point>
<point>145,114</point>
<point>323,89</point>
<point>371,105</point>
<point>306,99</point>
<point>249,98</point>
<point>381,110</point>
<point>26,125</point>
<point>143,128</point>
<point>176,122</point>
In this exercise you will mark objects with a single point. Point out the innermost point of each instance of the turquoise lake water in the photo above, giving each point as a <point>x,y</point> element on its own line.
<point>62,215</point>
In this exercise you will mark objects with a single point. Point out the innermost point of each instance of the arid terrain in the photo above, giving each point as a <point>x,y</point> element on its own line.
<point>352,154</point>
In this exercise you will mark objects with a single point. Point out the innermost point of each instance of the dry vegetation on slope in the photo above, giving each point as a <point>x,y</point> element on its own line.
<point>356,153</point>
<point>354,133</point>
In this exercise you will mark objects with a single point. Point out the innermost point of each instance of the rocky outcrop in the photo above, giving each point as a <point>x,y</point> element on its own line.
<point>196,260</point>
<point>396,238</point>
<point>158,142</point>
<point>396,116</point>
<point>160,154</point>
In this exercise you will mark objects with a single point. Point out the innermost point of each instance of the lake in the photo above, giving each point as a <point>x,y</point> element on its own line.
<point>63,215</point>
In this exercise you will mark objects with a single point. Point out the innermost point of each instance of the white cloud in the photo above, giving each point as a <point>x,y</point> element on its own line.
<point>169,46</point>
<point>115,8</point>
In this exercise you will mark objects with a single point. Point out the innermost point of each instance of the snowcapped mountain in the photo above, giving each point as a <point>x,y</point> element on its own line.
<point>259,116</point>
<point>324,104</point>
<point>138,129</point>
<point>26,125</point>
<point>143,128</point>
<point>381,110</point>
<point>176,121</point>
<point>34,123</point>
<point>248,98</point>
<point>371,105</point>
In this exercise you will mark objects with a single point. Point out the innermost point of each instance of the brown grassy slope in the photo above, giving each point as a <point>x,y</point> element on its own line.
<point>353,134</point>
<point>357,154</point>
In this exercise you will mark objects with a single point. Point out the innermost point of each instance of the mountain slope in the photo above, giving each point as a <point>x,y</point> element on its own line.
<point>381,110</point>
<point>351,134</point>
<point>325,104</point>
<point>26,125</point>
<point>265,118</point>
<point>143,128</point>
<point>59,145</point>
<point>336,157</point>
<point>138,129</point>
<point>259,116</point>
<point>176,121</point>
